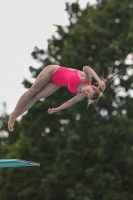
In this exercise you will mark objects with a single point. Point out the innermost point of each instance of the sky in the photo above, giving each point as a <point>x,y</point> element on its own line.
<point>25,24</point>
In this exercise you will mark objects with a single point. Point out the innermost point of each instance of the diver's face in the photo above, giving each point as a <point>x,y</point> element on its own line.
<point>88,91</point>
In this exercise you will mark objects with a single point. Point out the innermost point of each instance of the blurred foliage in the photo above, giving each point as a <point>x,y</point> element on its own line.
<point>84,154</point>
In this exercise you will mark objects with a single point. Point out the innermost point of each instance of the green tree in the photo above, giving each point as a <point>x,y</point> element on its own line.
<point>84,154</point>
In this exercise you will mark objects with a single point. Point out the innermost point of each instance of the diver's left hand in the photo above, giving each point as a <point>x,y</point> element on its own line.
<point>102,85</point>
<point>51,110</point>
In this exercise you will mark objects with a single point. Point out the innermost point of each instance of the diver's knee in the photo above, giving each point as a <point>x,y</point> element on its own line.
<point>31,92</point>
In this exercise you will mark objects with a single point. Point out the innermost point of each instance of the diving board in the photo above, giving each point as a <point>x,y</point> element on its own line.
<point>17,163</point>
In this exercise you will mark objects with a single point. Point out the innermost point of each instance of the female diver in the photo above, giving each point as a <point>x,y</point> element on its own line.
<point>50,79</point>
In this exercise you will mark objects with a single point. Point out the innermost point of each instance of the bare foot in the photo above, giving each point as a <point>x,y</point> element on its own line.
<point>11,122</point>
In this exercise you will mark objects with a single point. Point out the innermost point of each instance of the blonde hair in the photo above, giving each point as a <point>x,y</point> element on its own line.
<point>98,90</point>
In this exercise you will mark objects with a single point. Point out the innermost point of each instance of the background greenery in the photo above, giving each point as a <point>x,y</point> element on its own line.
<point>84,154</point>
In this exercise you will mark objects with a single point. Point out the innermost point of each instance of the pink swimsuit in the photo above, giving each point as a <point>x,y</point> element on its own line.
<point>66,77</point>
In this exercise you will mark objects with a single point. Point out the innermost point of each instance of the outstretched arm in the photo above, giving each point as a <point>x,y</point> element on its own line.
<point>89,71</point>
<point>78,97</point>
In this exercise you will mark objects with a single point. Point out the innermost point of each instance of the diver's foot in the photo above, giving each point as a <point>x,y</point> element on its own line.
<point>11,122</point>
